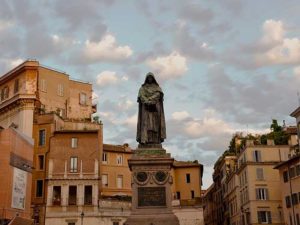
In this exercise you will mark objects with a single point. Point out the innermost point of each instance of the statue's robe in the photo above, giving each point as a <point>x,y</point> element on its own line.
<point>151,127</point>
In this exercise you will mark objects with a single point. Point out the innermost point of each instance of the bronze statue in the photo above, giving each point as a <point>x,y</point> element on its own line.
<point>151,127</point>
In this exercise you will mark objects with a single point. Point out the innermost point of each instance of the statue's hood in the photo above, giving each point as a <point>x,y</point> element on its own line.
<point>150,74</point>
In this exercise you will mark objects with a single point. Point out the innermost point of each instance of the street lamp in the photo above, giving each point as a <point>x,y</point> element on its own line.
<point>82,215</point>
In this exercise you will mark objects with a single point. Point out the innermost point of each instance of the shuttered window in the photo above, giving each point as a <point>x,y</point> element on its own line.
<point>256,156</point>
<point>259,173</point>
<point>120,181</point>
<point>288,201</point>
<point>104,180</point>
<point>73,166</point>
<point>262,194</point>
<point>264,217</point>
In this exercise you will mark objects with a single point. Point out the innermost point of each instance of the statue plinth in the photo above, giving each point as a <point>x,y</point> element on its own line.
<point>151,187</point>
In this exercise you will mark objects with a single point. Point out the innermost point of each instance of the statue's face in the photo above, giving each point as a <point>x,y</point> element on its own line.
<point>150,80</point>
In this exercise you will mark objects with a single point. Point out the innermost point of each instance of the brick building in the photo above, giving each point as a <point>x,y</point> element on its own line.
<point>16,151</point>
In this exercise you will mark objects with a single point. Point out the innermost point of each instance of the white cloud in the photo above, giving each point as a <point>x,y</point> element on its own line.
<point>4,24</point>
<point>296,70</point>
<point>131,121</point>
<point>273,31</point>
<point>125,105</point>
<point>107,78</point>
<point>170,66</point>
<point>15,62</point>
<point>106,49</point>
<point>209,125</point>
<point>279,49</point>
<point>180,115</point>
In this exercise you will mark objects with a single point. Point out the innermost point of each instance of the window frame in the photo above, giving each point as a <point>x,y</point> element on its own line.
<point>262,194</point>
<point>267,216</point>
<point>73,164</point>
<point>60,90</point>
<point>119,160</point>
<point>16,86</point>
<point>260,171</point>
<point>104,158</point>
<point>43,142</point>
<point>74,142</point>
<point>104,184</point>
<point>37,190</point>
<point>82,101</point>
<point>257,156</point>
<point>188,178</point>
<point>38,162</point>
<point>122,181</point>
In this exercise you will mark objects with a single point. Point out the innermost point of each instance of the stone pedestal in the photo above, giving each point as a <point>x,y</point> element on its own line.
<point>151,186</point>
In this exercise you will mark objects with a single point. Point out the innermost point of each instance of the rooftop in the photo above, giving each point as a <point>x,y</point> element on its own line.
<point>117,148</point>
<point>295,158</point>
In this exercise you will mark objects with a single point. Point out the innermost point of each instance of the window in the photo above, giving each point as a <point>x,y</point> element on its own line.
<point>41,162</point>
<point>72,223</point>
<point>39,188</point>
<point>61,112</point>
<point>292,172</point>
<point>178,195</point>
<point>82,99</point>
<point>2,94</point>
<point>42,137</point>
<point>43,85</point>
<point>104,157</point>
<point>116,223</point>
<point>104,180</point>
<point>88,193</point>
<point>16,86</point>
<point>262,194</point>
<point>119,159</point>
<point>188,178</point>
<point>74,142</point>
<point>295,199</point>
<point>192,194</point>
<point>60,90</point>
<point>285,176</point>
<point>298,170</point>
<point>288,201</point>
<point>264,217</point>
<point>120,181</point>
<point>259,173</point>
<point>72,195</point>
<point>257,156</point>
<point>56,195</point>
<point>73,167</point>
<point>298,219</point>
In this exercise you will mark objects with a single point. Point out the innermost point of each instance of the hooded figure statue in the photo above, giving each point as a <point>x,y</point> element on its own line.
<point>151,127</point>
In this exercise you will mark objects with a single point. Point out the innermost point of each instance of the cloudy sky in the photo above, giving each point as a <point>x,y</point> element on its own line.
<point>224,65</point>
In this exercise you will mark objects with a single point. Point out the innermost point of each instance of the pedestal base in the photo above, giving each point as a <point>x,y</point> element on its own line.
<point>151,185</point>
<point>155,219</point>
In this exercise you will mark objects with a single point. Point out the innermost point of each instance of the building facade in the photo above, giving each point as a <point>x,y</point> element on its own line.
<point>38,101</point>
<point>289,172</point>
<point>31,88</point>
<point>246,188</point>
<point>16,174</point>
<point>115,173</point>
<point>187,182</point>
<point>73,176</point>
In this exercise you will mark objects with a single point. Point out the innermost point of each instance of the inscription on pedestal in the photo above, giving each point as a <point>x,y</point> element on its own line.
<point>151,196</point>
